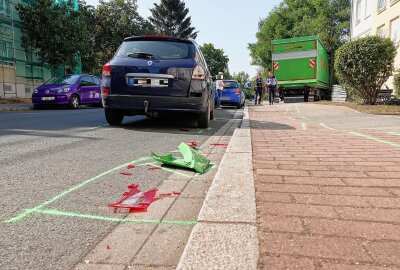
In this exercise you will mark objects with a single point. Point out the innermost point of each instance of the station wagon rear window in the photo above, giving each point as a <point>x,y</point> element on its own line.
<point>155,49</point>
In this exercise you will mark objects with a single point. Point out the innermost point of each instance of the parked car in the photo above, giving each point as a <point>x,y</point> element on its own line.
<point>232,95</point>
<point>154,74</point>
<point>71,90</point>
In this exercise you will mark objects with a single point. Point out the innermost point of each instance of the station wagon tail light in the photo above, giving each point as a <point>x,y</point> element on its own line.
<point>199,73</point>
<point>106,70</point>
<point>237,91</point>
<point>105,91</point>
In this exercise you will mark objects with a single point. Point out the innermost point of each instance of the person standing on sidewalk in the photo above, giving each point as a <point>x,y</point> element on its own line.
<point>259,86</point>
<point>220,86</point>
<point>272,83</point>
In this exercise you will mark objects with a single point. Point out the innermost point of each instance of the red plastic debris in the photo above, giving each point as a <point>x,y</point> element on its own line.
<point>135,200</point>
<point>153,168</point>
<point>219,144</point>
<point>131,167</point>
<point>125,173</point>
<point>171,194</point>
<point>192,144</point>
<point>108,247</point>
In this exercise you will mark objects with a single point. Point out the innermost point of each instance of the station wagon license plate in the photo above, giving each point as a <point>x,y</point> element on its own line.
<point>48,98</point>
<point>225,98</point>
<point>147,82</point>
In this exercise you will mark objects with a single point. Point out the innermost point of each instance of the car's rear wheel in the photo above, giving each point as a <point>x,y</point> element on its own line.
<point>114,117</point>
<point>75,102</point>
<point>203,120</point>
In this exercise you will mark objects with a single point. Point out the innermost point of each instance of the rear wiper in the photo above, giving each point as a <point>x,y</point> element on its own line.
<point>141,55</point>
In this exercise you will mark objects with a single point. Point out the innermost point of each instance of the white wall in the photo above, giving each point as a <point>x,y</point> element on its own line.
<point>361,18</point>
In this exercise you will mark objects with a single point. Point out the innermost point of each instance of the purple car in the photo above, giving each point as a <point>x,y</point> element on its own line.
<point>71,90</point>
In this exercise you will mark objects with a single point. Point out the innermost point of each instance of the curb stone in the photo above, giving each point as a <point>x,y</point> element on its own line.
<point>226,235</point>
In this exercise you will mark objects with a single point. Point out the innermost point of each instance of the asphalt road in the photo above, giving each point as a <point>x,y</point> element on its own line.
<point>52,161</point>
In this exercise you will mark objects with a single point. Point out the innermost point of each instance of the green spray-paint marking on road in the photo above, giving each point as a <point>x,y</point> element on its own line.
<point>374,139</point>
<point>393,133</point>
<point>28,212</point>
<point>55,212</point>
<point>204,130</point>
<point>325,126</point>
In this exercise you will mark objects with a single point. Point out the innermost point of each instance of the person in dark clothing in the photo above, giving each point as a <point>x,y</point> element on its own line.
<point>272,84</point>
<point>259,86</point>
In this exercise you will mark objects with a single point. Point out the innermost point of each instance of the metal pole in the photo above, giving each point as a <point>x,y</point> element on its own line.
<point>14,54</point>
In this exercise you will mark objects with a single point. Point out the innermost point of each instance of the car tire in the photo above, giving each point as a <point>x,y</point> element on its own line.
<point>114,117</point>
<point>239,105</point>
<point>203,120</point>
<point>212,114</point>
<point>75,102</point>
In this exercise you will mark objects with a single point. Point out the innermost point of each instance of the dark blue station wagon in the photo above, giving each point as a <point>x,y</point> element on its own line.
<point>153,74</point>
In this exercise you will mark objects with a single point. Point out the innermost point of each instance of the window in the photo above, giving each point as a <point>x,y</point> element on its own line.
<point>86,81</point>
<point>381,5</point>
<point>358,11</point>
<point>367,8</point>
<point>381,31</point>
<point>6,49</point>
<point>96,80</point>
<point>395,30</point>
<point>5,7</point>
<point>156,49</point>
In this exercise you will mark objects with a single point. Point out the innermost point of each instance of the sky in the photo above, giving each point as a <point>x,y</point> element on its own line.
<point>228,24</point>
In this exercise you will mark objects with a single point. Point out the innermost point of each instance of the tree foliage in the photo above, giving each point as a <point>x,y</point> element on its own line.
<point>114,21</point>
<point>242,78</point>
<point>56,30</point>
<point>363,66</point>
<point>329,19</point>
<point>170,18</point>
<point>216,59</point>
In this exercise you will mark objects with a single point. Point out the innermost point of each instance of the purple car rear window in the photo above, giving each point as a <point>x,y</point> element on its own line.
<point>66,79</point>
<point>163,50</point>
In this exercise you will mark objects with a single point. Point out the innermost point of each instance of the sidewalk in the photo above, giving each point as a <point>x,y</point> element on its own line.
<point>327,198</point>
<point>15,107</point>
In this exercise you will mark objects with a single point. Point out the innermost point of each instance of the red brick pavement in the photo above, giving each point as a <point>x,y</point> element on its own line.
<point>326,199</point>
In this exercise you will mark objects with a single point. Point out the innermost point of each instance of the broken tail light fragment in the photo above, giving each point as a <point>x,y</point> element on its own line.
<point>136,201</point>
<point>193,145</point>
<point>125,173</point>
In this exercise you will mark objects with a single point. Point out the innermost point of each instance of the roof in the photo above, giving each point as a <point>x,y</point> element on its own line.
<point>158,37</point>
<point>295,39</point>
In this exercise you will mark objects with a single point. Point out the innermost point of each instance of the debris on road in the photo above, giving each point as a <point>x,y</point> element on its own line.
<point>125,173</point>
<point>219,144</point>
<point>131,167</point>
<point>191,159</point>
<point>136,201</point>
<point>193,145</point>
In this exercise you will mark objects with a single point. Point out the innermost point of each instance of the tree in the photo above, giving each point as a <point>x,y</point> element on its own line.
<point>242,78</point>
<point>170,18</point>
<point>216,59</point>
<point>56,30</point>
<point>114,21</point>
<point>329,19</point>
<point>364,65</point>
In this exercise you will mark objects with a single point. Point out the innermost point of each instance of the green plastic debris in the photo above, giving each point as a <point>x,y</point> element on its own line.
<point>191,159</point>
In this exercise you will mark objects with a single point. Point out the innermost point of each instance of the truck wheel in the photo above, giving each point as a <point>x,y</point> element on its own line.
<point>114,117</point>
<point>203,120</point>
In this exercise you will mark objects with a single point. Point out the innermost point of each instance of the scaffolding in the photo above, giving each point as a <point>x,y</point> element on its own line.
<point>20,69</point>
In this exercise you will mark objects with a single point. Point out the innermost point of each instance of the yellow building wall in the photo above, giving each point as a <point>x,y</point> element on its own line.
<point>381,25</point>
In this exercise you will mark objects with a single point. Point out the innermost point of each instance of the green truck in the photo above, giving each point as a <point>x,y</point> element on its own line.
<point>301,65</point>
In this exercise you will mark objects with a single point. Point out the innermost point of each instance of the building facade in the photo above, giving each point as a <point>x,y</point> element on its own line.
<point>377,17</point>
<point>20,70</point>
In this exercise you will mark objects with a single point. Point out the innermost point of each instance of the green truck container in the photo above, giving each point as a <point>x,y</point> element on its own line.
<point>301,65</point>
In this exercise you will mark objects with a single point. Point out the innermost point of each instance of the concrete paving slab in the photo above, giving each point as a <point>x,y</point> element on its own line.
<point>117,248</point>
<point>164,247</point>
<point>221,246</point>
<point>83,266</point>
